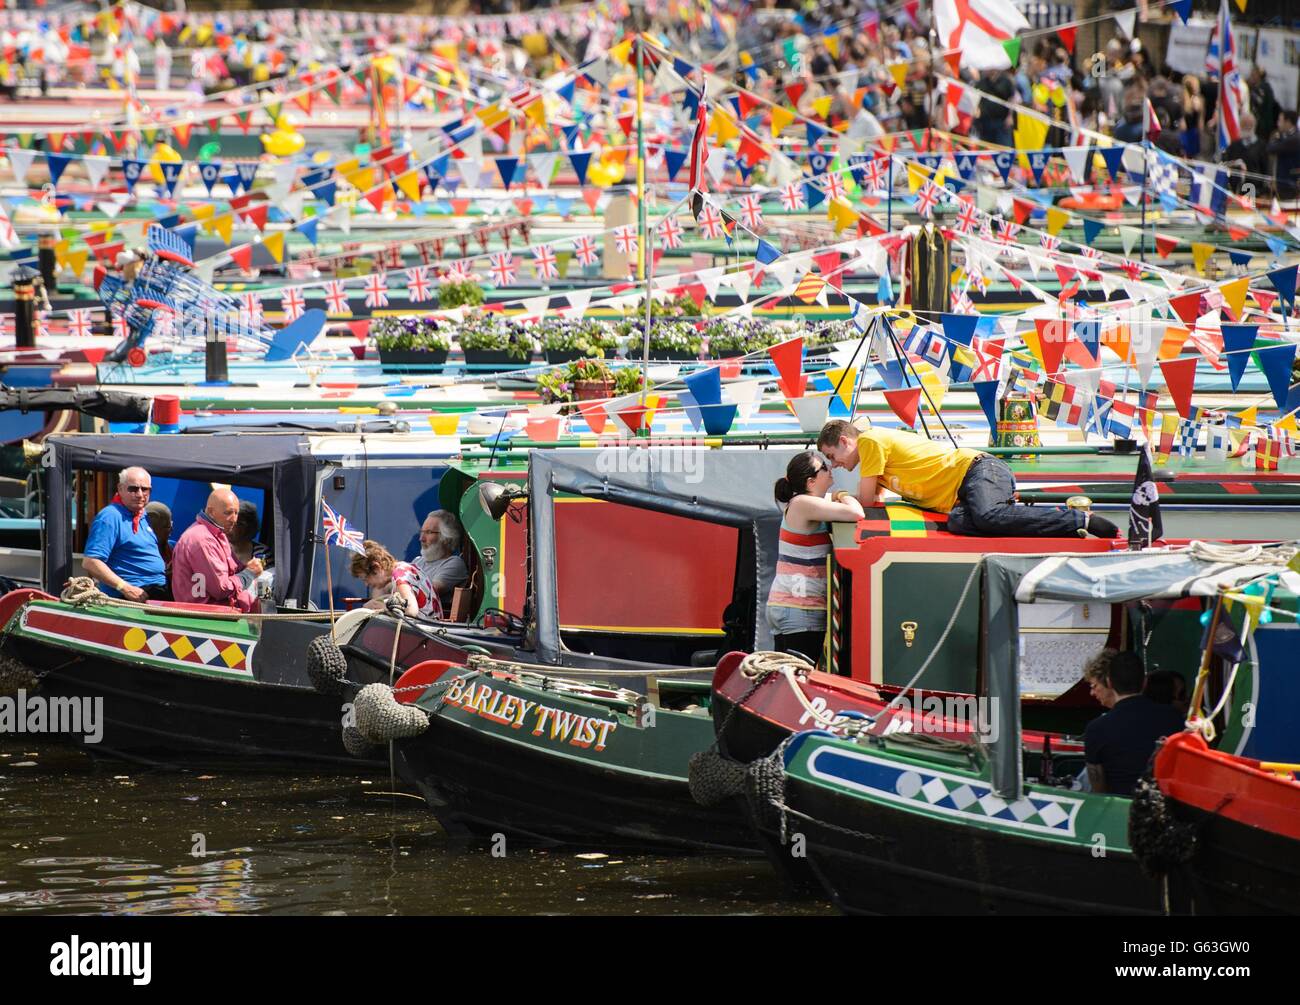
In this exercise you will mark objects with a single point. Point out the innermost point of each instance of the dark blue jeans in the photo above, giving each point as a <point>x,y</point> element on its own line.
<point>987,507</point>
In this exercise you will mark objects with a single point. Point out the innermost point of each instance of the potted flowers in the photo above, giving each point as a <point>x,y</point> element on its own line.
<point>566,341</point>
<point>678,340</point>
<point>410,341</point>
<point>727,339</point>
<point>459,290</point>
<point>588,380</point>
<point>491,342</point>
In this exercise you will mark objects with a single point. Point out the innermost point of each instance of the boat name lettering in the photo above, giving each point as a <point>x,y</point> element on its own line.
<point>556,724</point>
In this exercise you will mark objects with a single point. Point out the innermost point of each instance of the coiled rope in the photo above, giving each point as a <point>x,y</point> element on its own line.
<point>82,591</point>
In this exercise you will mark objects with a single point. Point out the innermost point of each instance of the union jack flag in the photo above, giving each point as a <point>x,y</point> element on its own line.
<point>502,267</point>
<point>710,221</point>
<point>376,290</point>
<point>792,196</point>
<point>876,172</point>
<point>968,217</point>
<point>418,286</point>
<point>833,186</point>
<point>1049,242</point>
<point>670,233</point>
<point>1007,232</point>
<point>544,262</point>
<point>292,303</point>
<point>926,199</point>
<point>625,240</point>
<point>336,297</point>
<point>250,308</point>
<point>751,212</point>
<point>585,248</point>
<point>339,532</point>
<point>79,324</point>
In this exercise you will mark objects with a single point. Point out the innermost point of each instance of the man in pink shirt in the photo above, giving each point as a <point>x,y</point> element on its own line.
<point>204,568</point>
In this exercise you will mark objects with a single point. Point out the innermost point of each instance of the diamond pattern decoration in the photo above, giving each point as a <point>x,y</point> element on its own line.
<point>222,654</point>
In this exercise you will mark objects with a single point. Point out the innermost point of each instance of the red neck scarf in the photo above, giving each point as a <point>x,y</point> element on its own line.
<point>135,517</point>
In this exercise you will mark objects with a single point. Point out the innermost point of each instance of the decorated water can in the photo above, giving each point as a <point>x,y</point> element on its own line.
<point>1017,424</point>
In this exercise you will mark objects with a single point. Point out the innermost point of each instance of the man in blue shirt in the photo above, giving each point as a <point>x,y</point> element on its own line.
<point>1118,745</point>
<point>122,552</point>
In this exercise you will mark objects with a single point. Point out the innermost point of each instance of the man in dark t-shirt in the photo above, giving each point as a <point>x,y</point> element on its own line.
<point>1118,745</point>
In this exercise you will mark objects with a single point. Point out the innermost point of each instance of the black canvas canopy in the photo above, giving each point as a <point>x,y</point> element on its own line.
<point>113,406</point>
<point>279,463</point>
<point>728,487</point>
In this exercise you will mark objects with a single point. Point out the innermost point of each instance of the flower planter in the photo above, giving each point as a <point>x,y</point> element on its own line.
<point>675,355</point>
<point>495,358</point>
<point>565,355</point>
<point>412,357</point>
<point>593,390</point>
<point>727,353</point>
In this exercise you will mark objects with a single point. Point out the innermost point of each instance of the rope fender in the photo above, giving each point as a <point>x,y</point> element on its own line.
<point>327,667</point>
<point>16,676</point>
<point>1159,841</point>
<point>380,717</point>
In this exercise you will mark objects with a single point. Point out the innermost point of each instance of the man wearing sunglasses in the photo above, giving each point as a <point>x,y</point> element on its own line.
<point>122,552</point>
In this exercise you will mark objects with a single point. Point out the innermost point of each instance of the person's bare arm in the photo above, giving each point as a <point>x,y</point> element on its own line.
<point>814,509</point>
<point>1096,777</point>
<point>870,490</point>
<point>101,573</point>
<point>404,591</point>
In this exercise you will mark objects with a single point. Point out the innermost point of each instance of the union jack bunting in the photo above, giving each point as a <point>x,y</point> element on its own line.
<point>376,290</point>
<point>927,198</point>
<point>79,324</point>
<point>625,240</point>
<point>585,248</point>
<point>670,233</point>
<point>250,308</point>
<point>1049,242</point>
<point>336,297</point>
<point>751,212</point>
<point>292,303</point>
<point>502,267</point>
<point>876,173</point>
<point>968,217</point>
<point>418,287</point>
<point>833,186</point>
<point>1007,232</point>
<point>710,221</point>
<point>792,196</point>
<point>339,532</point>
<point>544,262</point>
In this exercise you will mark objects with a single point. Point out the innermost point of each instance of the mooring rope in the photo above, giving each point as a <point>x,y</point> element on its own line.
<point>82,591</point>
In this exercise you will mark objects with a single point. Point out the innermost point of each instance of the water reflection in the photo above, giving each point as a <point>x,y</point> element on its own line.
<point>136,841</point>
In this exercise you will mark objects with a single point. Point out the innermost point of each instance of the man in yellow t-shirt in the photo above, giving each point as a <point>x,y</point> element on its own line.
<point>975,489</point>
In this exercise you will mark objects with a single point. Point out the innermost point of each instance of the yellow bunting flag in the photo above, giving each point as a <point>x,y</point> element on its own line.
<point>536,112</point>
<point>934,386</point>
<point>1056,219</point>
<point>1288,423</point>
<point>409,183</point>
<point>833,45</point>
<point>842,214</point>
<point>899,72</point>
<point>916,177</point>
<point>362,179</point>
<point>781,118</point>
<point>1234,294</point>
<point>724,127</point>
<point>1201,253</point>
<point>75,263</point>
<point>274,245</point>
<point>846,380</point>
<point>808,288</point>
<point>1249,416</point>
<point>822,106</point>
<point>621,52</point>
<point>1168,431</point>
<point>1030,134</point>
<point>225,226</point>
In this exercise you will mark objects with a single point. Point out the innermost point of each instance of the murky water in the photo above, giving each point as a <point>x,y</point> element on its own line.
<point>94,836</point>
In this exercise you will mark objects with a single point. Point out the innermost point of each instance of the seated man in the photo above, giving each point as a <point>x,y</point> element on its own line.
<point>204,569</point>
<point>441,536</point>
<point>975,489</point>
<point>122,553</point>
<point>1118,745</point>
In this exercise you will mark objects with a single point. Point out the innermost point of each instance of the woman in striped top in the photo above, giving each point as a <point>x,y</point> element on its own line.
<point>796,604</point>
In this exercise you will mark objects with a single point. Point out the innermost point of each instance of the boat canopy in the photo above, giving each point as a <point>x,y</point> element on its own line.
<point>112,406</point>
<point>280,463</point>
<point>1115,577</point>
<point>1121,576</point>
<point>728,487</point>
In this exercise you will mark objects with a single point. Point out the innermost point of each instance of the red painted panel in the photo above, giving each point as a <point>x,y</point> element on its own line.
<point>619,566</point>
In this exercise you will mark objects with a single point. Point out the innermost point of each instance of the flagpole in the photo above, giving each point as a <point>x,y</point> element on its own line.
<point>1146,169</point>
<point>640,158</point>
<point>329,588</point>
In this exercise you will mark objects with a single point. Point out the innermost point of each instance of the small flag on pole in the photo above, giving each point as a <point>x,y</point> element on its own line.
<point>339,532</point>
<point>1144,524</point>
<point>698,156</point>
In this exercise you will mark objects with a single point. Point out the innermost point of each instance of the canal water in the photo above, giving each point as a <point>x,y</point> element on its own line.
<point>82,835</point>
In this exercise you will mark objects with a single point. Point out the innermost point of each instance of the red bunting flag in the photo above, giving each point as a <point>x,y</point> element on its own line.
<point>1165,245</point>
<point>1187,307</point>
<point>905,402</point>
<point>1180,374</point>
